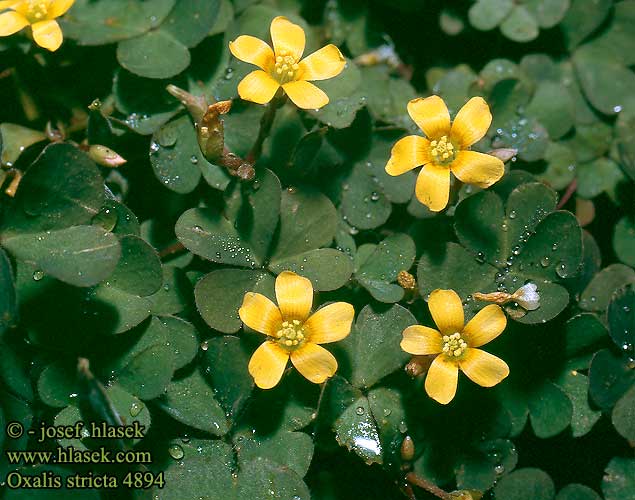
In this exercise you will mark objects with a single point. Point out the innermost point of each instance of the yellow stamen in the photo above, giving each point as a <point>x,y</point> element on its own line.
<point>285,68</point>
<point>442,151</point>
<point>291,334</point>
<point>453,345</point>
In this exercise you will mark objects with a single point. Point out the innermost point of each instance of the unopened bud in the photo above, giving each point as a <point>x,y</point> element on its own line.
<point>246,172</point>
<point>105,157</point>
<point>466,495</point>
<point>196,105</point>
<point>12,188</point>
<point>527,297</point>
<point>406,280</point>
<point>211,135</point>
<point>407,449</point>
<point>418,365</point>
<point>503,154</point>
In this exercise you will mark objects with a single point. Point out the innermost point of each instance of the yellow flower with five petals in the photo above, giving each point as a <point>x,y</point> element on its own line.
<point>284,67</point>
<point>445,150</point>
<point>456,345</point>
<point>293,332</point>
<point>39,14</point>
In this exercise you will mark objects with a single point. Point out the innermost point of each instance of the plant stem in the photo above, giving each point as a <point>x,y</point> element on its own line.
<point>266,123</point>
<point>571,188</point>
<point>417,480</point>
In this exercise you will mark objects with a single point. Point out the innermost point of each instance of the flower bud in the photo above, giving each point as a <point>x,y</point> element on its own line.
<point>406,280</point>
<point>407,449</point>
<point>105,157</point>
<point>503,154</point>
<point>527,297</point>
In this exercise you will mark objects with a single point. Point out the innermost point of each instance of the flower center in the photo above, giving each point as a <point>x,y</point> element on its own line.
<point>442,151</point>
<point>285,68</point>
<point>291,334</point>
<point>454,345</point>
<point>36,10</point>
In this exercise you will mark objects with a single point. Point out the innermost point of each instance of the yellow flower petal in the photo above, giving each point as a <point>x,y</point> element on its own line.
<point>260,314</point>
<point>407,153</point>
<point>258,87</point>
<point>59,8</point>
<point>421,340</point>
<point>287,38</point>
<point>295,296</point>
<point>8,4</point>
<point>267,364</point>
<point>305,95</point>
<point>488,324</point>
<point>431,115</point>
<point>442,379</point>
<point>11,22</point>
<point>477,168</point>
<point>471,123</point>
<point>314,362</point>
<point>47,34</point>
<point>447,311</point>
<point>433,187</point>
<point>252,50</point>
<point>322,64</point>
<point>331,323</point>
<point>483,368</point>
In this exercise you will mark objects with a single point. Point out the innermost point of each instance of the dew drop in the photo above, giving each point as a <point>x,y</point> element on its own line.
<point>359,410</point>
<point>544,262</point>
<point>176,452</point>
<point>512,214</point>
<point>563,272</point>
<point>135,408</point>
<point>38,275</point>
<point>193,159</point>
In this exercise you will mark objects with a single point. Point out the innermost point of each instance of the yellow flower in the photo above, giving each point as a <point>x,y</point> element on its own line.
<point>456,345</point>
<point>39,14</point>
<point>446,149</point>
<point>293,332</point>
<point>283,66</point>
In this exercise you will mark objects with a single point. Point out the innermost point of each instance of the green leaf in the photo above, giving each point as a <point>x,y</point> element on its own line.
<point>561,166</point>
<point>292,449</point>
<point>583,332</point>
<point>487,14</point>
<point>220,294</point>
<point>80,255</point>
<point>598,176</point>
<point>227,359</point>
<point>598,292</point>
<point>380,269</point>
<point>255,208</point>
<point>624,240</point>
<point>57,385</point>
<point>552,106</point>
<point>190,20</point>
<point>14,139</point>
<point>207,233</point>
<point>261,476</point>
<point>149,371</point>
<point>582,19</point>
<point>584,417</point>
<point>621,316</point>
<point>387,96</point>
<point>452,267</point>
<point>356,430</point>
<point>623,415</point>
<point>156,54</point>
<point>345,98</point>
<point>610,376</point>
<point>107,21</point>
<point>548,13</point>
<point>8,300</point>
<point>308,220</point>
<point>525,484</point>
<point>550,410</point>
<point>145,102</point>
<point>62,188</point>
<point>481,469</point>
<point>209,470</point>
<point>619,479</point>
<point>373,345</point>
<point>113,310</point>
<point>139,269</point>
<point>327,268</point>
<point>520,26</point>
<point>577,492</point>
<point>191,401</point>
<point>173,297</point>
<point>606,83</point>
